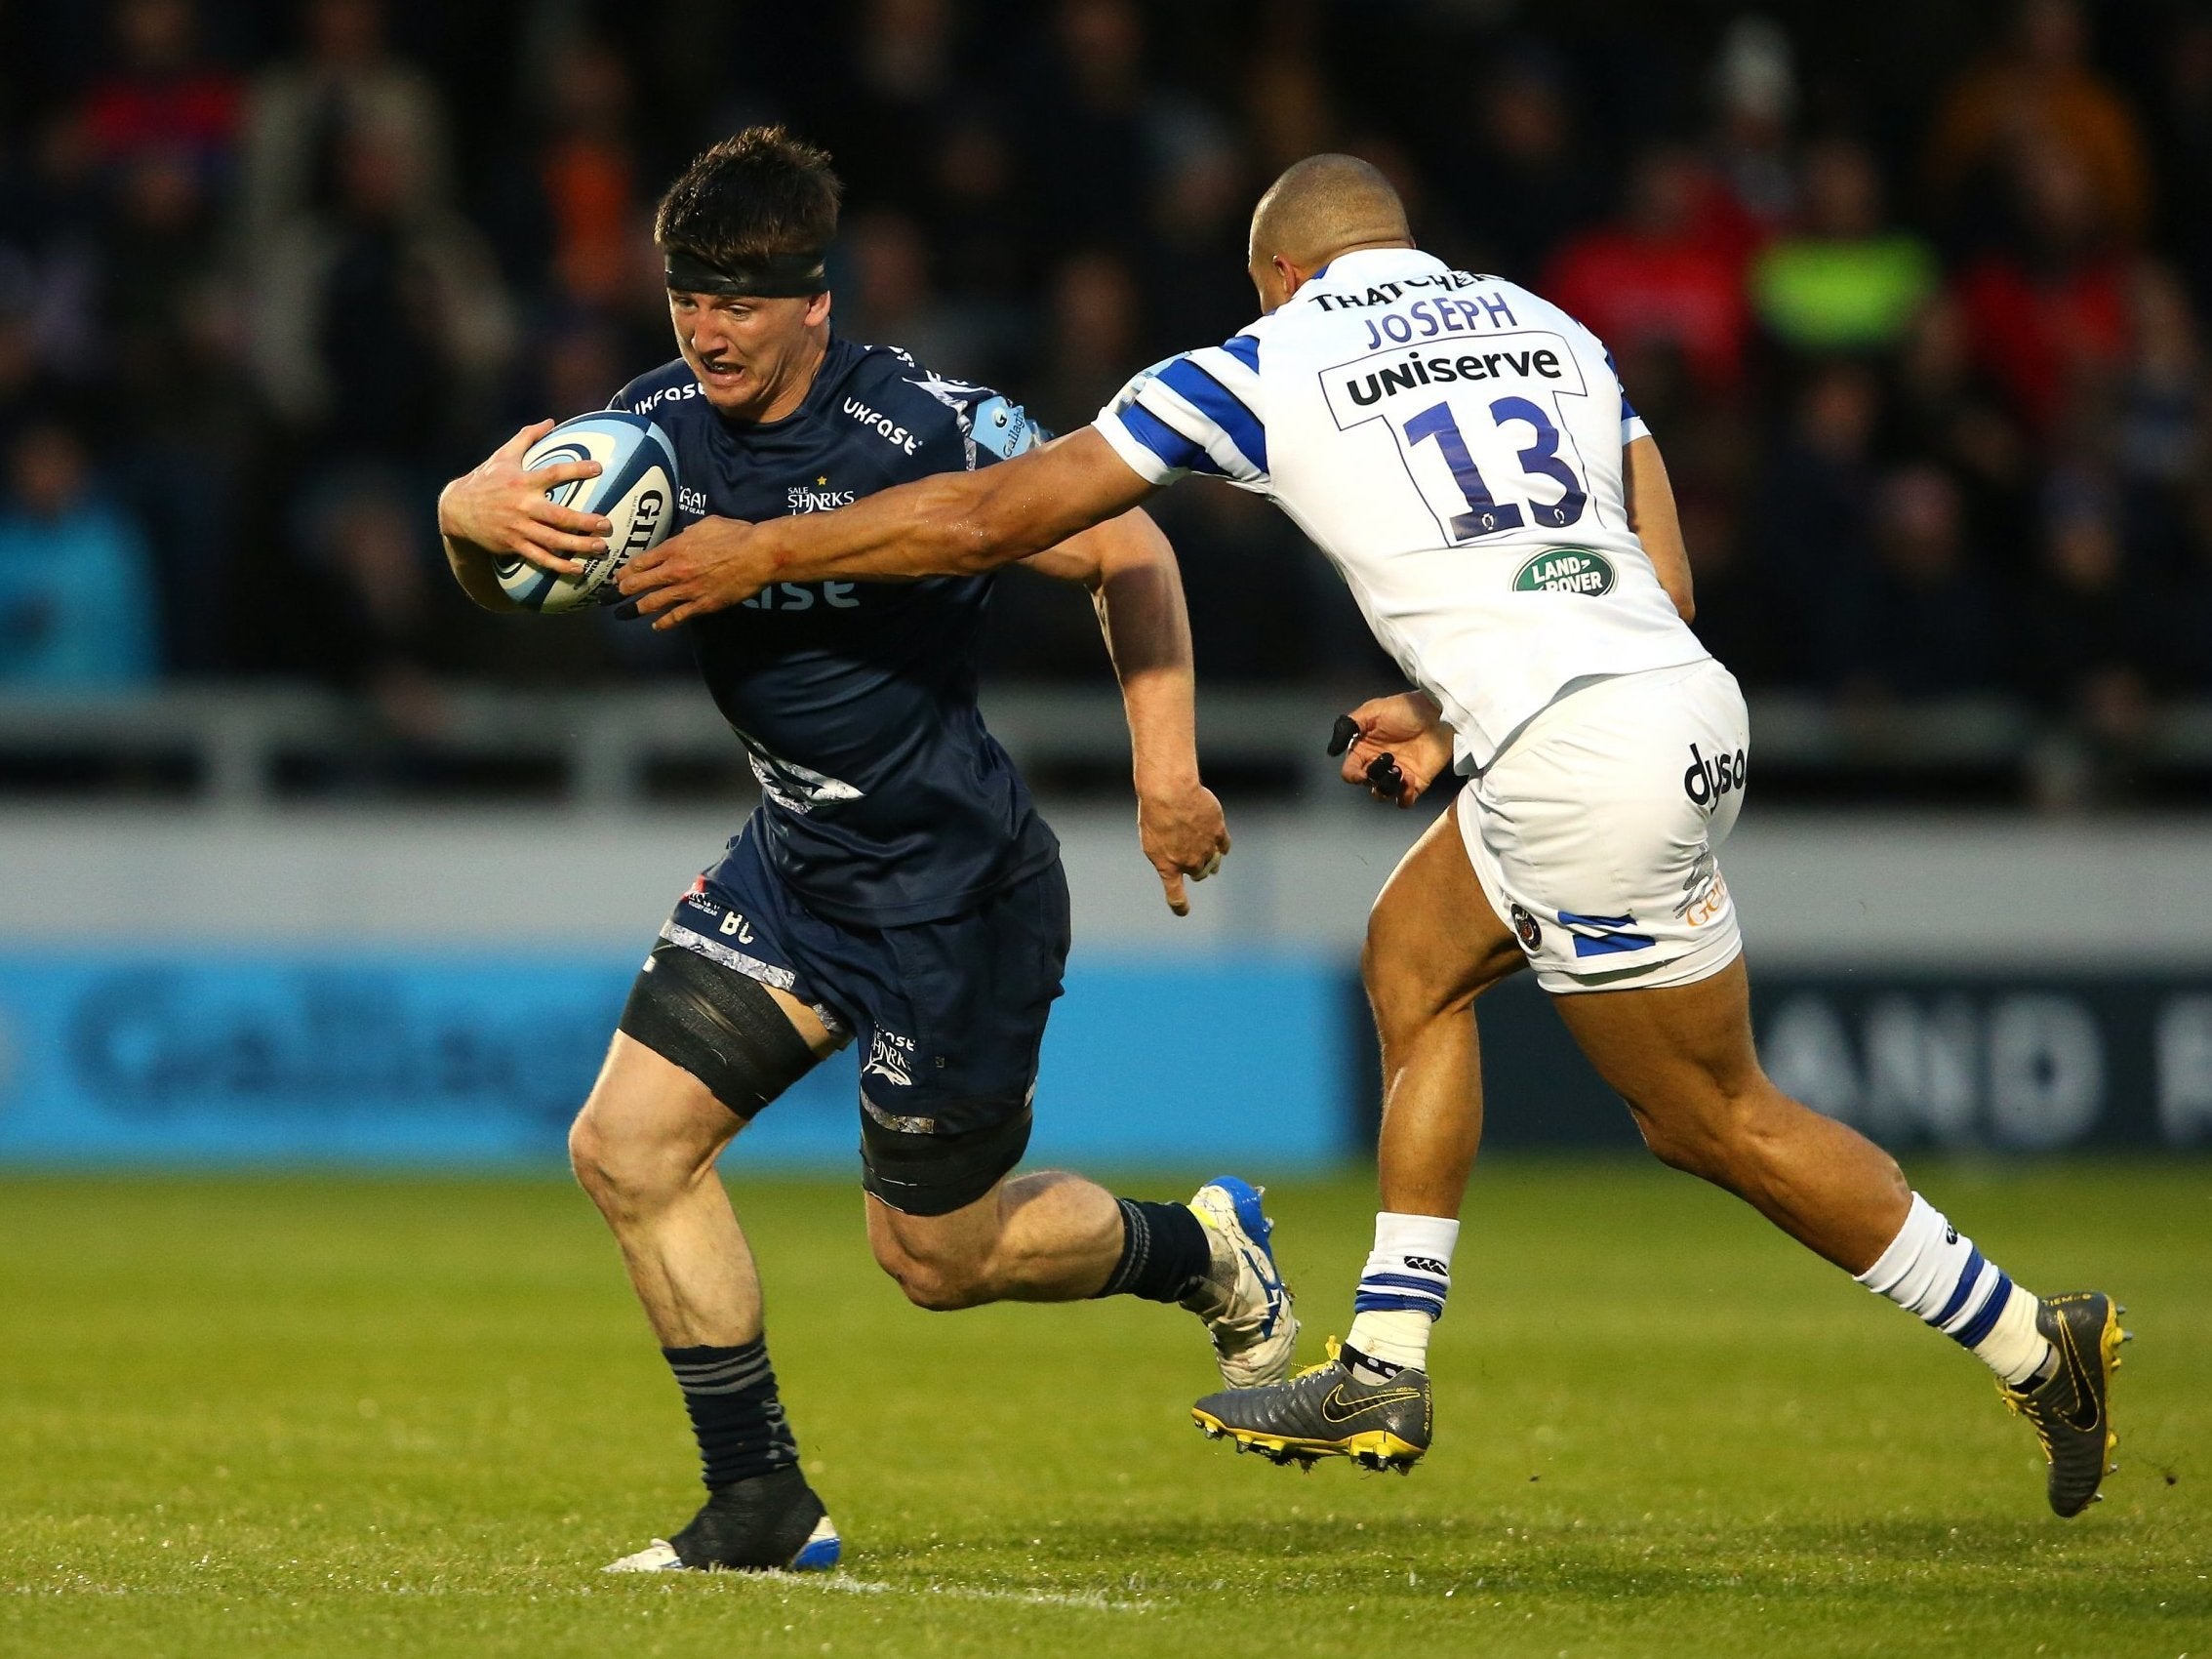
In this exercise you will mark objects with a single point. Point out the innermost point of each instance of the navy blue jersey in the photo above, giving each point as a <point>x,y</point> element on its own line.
<point>886,802</point>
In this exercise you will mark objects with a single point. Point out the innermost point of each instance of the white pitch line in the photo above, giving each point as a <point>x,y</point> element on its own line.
<point>1093,1601</point>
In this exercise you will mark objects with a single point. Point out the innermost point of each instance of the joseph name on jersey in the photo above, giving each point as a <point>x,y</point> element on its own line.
<point>886,801</point>
<point>1454,444</point>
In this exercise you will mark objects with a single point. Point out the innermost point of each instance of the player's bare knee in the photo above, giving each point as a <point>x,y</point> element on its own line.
<point>587,1153</point>
<point>1404,1001</point>
<point>625,1174</point>
<point>1413,990</point>
<point>1385,965</point>
<point>1676,1144</point>
<point>1768,1140</point>
<point>1724,1129</point>
<point>940,1289</point>
<point>615,1182</point>
<point>938,1283</point>
<point>1685,1124</point>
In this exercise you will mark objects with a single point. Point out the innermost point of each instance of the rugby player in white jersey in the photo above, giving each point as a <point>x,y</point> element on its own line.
<point>1462,451</point>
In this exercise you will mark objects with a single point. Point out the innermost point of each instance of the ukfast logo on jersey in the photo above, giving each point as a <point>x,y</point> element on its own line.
<point>884,428</point>
<point>667,395</point>
<point>1565,569</point>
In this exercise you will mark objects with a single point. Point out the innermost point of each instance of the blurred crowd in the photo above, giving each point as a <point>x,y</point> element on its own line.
<point>1912,296</point>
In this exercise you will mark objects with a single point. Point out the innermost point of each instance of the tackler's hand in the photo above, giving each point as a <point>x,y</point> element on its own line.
<point>716,563</point>
<point>1393,747</point>
<point>1185,835</point>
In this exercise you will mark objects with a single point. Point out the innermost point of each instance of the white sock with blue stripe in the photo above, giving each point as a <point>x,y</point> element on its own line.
<point>1401,1292</point>
<point>1933,1269</point>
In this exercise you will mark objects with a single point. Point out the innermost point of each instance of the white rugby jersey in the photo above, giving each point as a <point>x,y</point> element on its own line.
<point>1454,444</point>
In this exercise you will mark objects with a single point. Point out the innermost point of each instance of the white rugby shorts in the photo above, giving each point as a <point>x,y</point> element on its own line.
<point>1594,831</point>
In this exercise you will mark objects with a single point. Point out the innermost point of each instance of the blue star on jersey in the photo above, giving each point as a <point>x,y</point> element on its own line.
<point>886,801</point>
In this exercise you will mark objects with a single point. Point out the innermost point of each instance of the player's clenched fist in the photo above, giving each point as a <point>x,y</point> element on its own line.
<point>505,511</point>
<point>1408,729</point>
<point>1183,833</point>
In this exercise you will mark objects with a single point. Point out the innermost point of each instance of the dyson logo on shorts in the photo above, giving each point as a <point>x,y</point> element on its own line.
<point>1706,781</point>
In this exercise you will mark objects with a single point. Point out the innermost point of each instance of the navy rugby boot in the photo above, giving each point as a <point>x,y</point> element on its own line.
<point>771,1522</point>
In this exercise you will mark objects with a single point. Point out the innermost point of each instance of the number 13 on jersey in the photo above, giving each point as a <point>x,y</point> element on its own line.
<point>1478,430</point>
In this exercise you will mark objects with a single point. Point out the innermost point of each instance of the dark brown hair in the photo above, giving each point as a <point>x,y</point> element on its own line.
<point>754,197</point>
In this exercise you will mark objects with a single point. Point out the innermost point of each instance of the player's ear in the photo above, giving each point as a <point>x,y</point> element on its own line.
<point>1276,280</point>
<point>817,309</point>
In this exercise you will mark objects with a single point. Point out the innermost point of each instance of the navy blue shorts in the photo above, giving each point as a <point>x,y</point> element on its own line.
<point>949,1016</point>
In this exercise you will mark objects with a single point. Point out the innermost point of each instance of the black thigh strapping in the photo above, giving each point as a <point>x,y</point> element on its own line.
<point>722,1028</point>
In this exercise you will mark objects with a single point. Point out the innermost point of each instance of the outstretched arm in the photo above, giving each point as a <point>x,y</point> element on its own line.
<point>1130,569</point>
<point>951,524</point>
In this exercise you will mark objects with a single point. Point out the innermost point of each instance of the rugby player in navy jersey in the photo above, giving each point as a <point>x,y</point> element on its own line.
<point>895,888</point>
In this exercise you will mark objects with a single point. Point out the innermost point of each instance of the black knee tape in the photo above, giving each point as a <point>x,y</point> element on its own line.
<point>722,1028</point>
<point>931,1174</point>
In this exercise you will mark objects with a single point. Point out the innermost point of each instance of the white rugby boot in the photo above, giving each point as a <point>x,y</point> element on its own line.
<point>1243,1300</point>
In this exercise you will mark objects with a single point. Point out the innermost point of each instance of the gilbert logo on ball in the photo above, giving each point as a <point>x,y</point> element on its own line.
<point>635,490</point>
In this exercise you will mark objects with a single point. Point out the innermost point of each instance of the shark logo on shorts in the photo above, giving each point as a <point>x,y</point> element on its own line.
<point>891,1057</point>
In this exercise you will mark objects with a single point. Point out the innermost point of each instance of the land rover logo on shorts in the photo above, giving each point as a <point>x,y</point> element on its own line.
<point>1567,570</point>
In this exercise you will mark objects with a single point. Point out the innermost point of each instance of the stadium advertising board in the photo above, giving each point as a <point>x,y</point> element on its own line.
<point>428,1059</point>
<point>2023,1064</point>
<point>448,1060</point>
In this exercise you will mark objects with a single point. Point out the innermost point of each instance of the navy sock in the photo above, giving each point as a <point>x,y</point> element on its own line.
<point>1164,1250</point>
<point>738,1422</point>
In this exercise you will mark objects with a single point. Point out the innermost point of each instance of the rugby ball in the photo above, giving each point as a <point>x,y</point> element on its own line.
<point>635,490</point>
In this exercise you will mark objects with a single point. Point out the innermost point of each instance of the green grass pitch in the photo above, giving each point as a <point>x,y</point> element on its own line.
<point>412,1417</point>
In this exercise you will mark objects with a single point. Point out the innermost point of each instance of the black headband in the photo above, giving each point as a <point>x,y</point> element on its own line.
<point>778,276</point>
